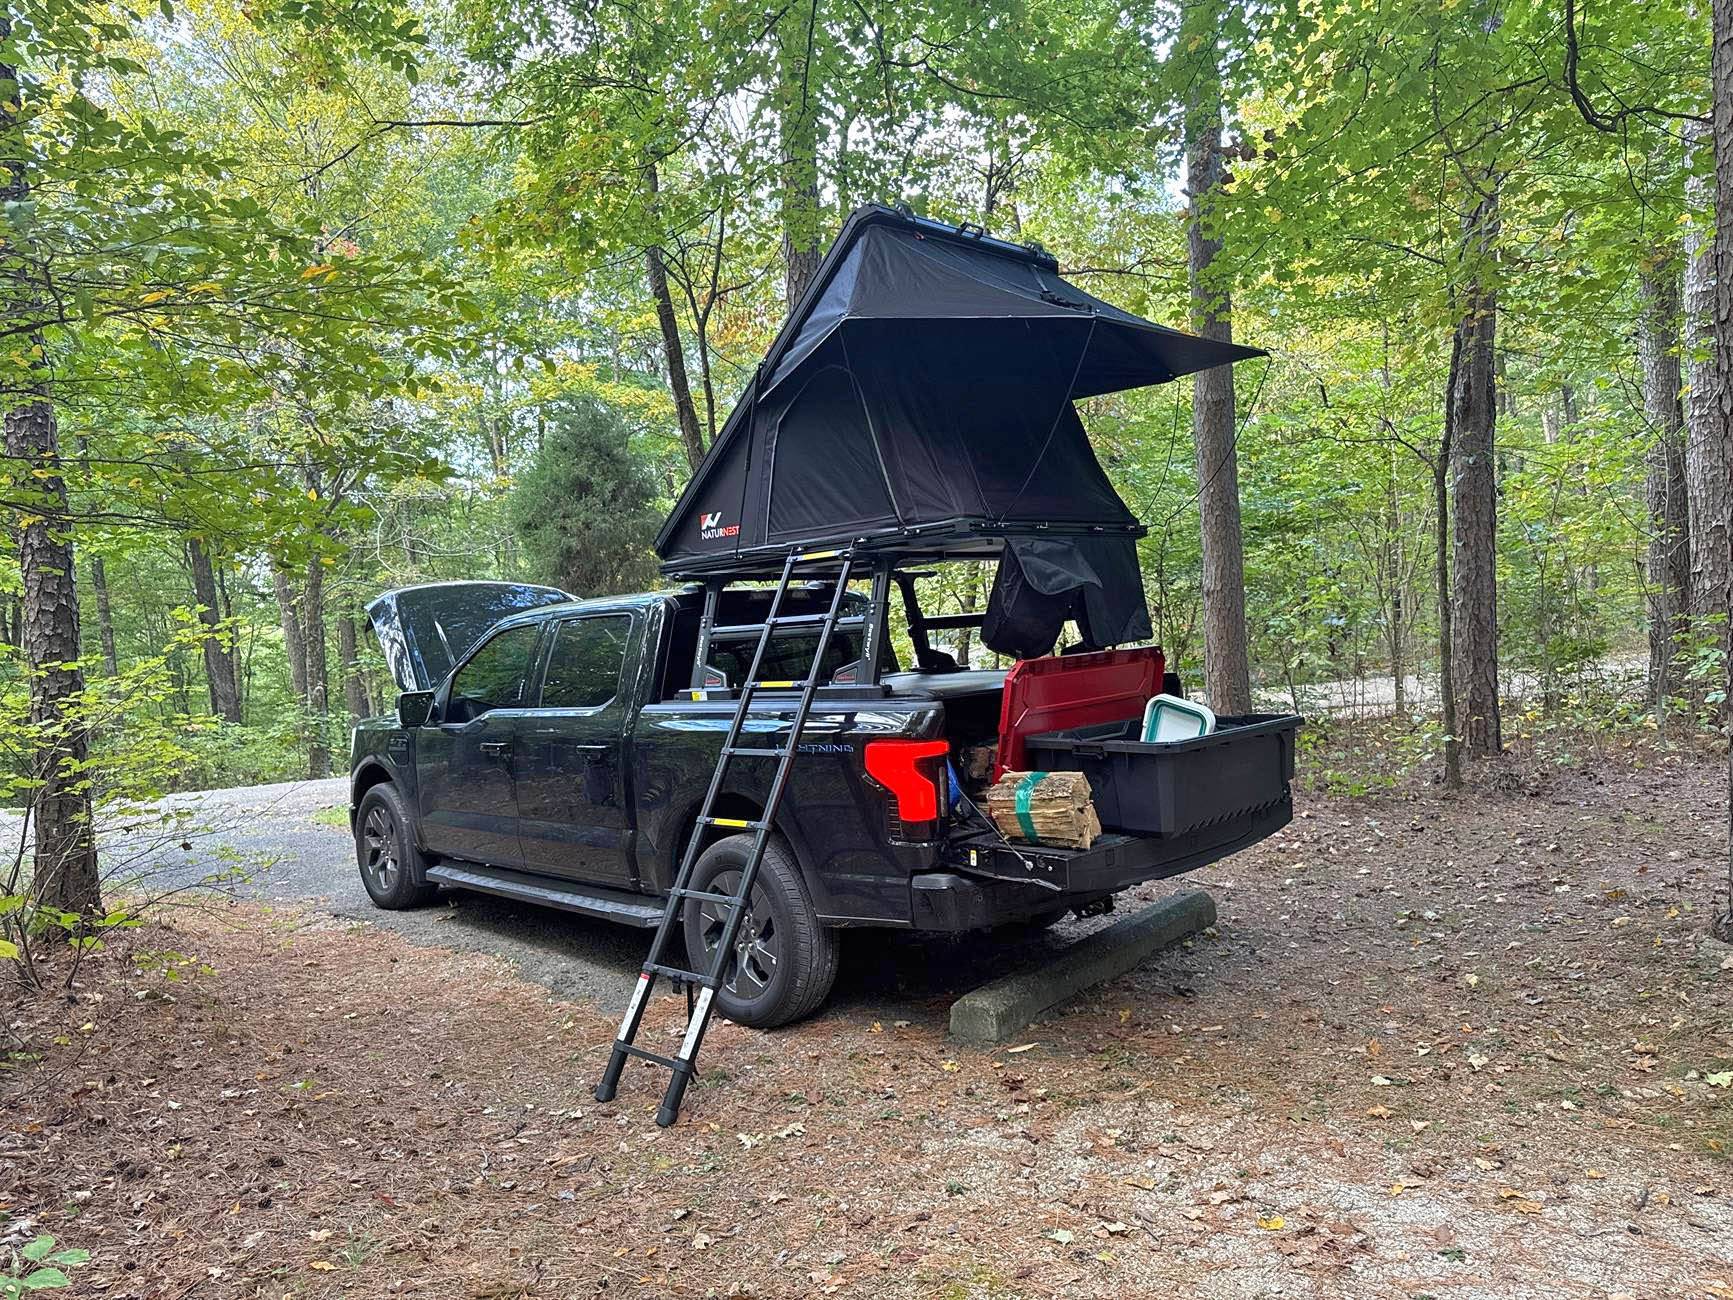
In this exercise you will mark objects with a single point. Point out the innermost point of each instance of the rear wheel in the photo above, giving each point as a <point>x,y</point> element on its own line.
<point>782,962</point>
<point>385,851</point>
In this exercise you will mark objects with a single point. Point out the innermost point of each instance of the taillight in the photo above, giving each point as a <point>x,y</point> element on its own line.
<point>913,771</point>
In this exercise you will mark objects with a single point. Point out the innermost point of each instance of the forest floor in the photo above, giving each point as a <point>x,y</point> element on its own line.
<point>1479,1047</point>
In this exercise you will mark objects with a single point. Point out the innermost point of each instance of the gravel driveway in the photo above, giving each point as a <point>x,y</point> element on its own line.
<point>261,843</point>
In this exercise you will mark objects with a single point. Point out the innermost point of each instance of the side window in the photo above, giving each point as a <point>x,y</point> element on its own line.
<point>496,676</point>
<point>584,665</point>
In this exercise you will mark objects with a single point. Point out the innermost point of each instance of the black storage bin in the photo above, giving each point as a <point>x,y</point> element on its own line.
<point>1172,788</point>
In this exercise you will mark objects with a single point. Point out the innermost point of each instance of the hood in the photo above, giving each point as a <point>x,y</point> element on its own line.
<point>424,631</point>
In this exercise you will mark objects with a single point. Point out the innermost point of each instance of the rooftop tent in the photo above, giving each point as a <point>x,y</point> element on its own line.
<point>920,398</point>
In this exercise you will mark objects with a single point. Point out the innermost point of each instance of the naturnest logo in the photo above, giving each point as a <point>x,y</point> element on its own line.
<point>711,528</point>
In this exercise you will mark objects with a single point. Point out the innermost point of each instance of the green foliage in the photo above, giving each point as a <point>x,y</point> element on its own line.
<point>583,507</point>
<point>38,1266</point>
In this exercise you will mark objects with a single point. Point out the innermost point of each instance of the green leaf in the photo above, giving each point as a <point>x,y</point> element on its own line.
<point>168,9</point>
<point>8,950</point>
<point>37,1248</point>
<point>46,1279</point>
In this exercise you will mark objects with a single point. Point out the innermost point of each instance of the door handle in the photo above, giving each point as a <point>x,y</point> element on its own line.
<point>497,748</point>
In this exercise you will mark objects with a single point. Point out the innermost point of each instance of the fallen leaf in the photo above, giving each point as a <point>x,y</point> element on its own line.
<point>702,1241</point>
<point>1272,1222</point>
<point>1142,1182</point>
<point>1379,1081</point>
<point>323,1265</point>
<point>1021,1047</point>
<point>950,1067</point>
<point>1064,1236</point>
<point>1378,1112</point>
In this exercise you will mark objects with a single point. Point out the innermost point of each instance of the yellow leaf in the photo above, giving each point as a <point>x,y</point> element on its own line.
<point>157,296</point>
<point>205,286</point>
<point>321,268</point>
<point>950,1067</point>
<point>323,1265</point>
<point>1272,1222</point>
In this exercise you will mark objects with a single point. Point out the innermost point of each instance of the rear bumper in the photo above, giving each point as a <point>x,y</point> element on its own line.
<point>985,883</point>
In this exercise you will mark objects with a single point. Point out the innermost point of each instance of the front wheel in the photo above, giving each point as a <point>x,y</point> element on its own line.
<point>385,851</point>
<point>782,962</point>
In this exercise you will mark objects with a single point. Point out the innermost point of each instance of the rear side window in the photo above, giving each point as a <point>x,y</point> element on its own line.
<point>496,676</point>
<point>585,664</point>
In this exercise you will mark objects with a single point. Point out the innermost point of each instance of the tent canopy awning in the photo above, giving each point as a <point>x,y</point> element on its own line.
<point>920,398</point>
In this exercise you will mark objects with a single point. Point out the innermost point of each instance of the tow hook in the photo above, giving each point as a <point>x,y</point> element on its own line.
<point>1100,907</point>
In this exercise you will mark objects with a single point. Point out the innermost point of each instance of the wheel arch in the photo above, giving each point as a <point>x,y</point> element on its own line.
<point>742,807</point>
<point>372,772</point>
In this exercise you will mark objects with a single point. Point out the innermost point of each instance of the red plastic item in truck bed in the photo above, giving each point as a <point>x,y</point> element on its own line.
<point>1065,691</point>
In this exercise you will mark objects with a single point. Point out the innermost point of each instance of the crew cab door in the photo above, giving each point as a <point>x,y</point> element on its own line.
<point>570,753</point>
<point>467,805</point>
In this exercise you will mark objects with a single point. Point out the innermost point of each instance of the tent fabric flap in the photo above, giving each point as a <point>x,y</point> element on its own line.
<point>923,383</point>
<point>1043,581</point>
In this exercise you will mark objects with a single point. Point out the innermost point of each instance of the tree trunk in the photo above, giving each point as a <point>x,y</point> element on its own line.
<point>354,688</point>
<point>797,104</point>
<point>1227,668</point>
<point>65,867</point>
<point>675,351</point>
<point>1474,620</point>
<point>1669,537</point>
<point>318,672</point>
<point>1721,85</point>
<point>218,645</point>
<point>1441,565</point>
<point>104,616</point>
<point>65,874</point>
<point>294,643</point>
<point>1707,486</point>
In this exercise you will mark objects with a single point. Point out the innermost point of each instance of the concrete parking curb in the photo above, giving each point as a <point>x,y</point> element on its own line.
<point>993,1012</point>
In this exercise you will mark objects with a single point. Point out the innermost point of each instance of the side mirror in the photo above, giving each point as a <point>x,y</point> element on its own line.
<point>414,708</point>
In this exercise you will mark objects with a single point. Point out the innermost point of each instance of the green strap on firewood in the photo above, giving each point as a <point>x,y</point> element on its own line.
<point>1025,791</point>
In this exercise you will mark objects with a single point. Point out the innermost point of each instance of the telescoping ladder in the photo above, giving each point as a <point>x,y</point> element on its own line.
<point>670,933</point>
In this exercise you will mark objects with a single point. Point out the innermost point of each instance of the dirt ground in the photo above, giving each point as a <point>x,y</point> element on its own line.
<point>1470,1048</point>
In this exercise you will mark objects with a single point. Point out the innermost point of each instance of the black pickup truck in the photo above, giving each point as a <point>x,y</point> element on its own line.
<point>554,751</point>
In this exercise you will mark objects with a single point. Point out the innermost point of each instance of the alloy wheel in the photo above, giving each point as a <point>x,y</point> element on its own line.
<point>379,849</point>
<point>757,947</point>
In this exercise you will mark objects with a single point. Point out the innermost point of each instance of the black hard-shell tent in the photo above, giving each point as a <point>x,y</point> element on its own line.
<point>922,389</point>
<point>919,402</point>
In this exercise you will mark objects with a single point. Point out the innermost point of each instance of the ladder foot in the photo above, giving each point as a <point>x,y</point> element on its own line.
<point>610,1081</point>
<point>669,1110</point>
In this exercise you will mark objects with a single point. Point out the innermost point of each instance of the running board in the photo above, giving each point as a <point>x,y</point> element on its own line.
<point>588,900</point>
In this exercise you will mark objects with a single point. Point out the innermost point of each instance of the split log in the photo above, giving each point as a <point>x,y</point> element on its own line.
<point>1051,808</point>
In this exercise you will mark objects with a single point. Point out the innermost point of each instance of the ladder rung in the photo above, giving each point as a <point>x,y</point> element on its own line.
<point>778,684</point>
<point>675,973</point>
<point>666,1062</point>
<point>751,751</point>
<point>812,557</point>
<point>706,896</point>
<point>737,823</point>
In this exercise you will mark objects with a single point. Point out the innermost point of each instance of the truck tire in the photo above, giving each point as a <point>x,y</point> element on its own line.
<point>385,851</point>
<point>784,960</point>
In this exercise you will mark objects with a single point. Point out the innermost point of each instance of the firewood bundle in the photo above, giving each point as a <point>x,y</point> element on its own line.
<point>1044,808</point>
